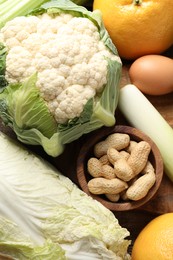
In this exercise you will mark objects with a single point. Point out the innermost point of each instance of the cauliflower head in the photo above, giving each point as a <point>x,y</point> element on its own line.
<point>67,54</point>
<point>62,53</point>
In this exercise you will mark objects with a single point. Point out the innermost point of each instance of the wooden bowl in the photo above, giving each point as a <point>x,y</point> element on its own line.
<point>86,152</point>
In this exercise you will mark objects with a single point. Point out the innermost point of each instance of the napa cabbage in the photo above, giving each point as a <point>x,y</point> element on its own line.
<point>44,215</point>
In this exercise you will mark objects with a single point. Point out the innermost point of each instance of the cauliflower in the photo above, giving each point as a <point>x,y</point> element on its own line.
<point>72,58</point>
<point>67,54</point>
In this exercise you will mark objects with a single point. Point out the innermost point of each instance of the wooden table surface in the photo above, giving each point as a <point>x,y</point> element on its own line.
<point>133,220</point>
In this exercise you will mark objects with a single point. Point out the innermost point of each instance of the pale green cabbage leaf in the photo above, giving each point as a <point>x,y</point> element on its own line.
<point>44,215</point>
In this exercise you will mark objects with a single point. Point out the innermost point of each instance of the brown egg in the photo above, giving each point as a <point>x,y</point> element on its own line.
<point>152,74</point>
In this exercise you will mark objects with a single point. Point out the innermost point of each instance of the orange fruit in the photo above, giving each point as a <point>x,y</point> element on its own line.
<point>155,241</point>
<point>138,27</point>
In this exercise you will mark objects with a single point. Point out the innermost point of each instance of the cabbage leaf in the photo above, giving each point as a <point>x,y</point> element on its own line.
<point>44,215</point>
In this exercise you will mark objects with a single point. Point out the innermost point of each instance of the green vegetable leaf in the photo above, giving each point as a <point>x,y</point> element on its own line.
<point>26,108</point>
<point>13,8</point>
<point>3,81</point>
<point>23,109</point>
<point>85,117</point>
<point>17,244</point>
<point>108,102</point>
<point>51,215</point>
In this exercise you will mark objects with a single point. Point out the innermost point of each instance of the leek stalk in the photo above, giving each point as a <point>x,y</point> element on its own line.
<point>12,8</point>
<point>2,1</point>
<point>140,113</point>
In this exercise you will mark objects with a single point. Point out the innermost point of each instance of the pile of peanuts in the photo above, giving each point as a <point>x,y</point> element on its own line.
<point>121,169</point>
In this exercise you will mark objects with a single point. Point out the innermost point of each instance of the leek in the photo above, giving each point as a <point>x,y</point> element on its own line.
<point>141,114</point>
<point>2,1</point>
<point>10,9</point>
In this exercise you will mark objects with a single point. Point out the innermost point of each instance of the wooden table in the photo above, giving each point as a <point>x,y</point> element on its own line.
<point>133,220</point>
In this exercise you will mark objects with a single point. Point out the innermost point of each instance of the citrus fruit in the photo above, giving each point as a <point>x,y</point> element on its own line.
<point>155,241</point>
<point>138,27</point>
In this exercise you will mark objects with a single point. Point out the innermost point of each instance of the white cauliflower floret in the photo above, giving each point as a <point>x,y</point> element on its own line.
<point>67,54</point>
<point>70,102</point>
<point>18,63</point>
<point>49,25</point>
<point>83,26</point>
<point>79,73</point>
<point>33,41</point>
<point>41,62</point>
<point>20,25</point>
<point>50,83</point>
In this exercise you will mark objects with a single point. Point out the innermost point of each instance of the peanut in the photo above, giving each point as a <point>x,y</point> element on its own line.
<point>139,157</point>
<point>141,186</point>
<point>123,196</point>
<point>116,140</point>
<point>148,167</point>
<point>119,162</point>
<point>123,170</point>
<point>101,148</point>
<point>96,169</point>
<point>113,155</point>
<point>113,197</point>
<point>131,146</point>
<point>108,172</point>
<point>124,154</point>
<point>104,159</point>
<point>105,186</point>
